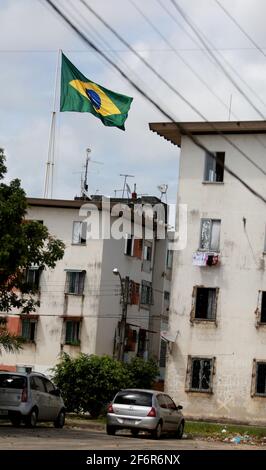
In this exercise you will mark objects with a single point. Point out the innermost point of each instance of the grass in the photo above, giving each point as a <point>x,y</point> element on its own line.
<point>204,429</point>
<point>193,429</point>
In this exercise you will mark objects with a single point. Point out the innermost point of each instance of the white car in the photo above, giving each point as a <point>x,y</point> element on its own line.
<point>30,398</point>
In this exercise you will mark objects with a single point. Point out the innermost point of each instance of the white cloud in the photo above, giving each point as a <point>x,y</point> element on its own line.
<point>26,88</point>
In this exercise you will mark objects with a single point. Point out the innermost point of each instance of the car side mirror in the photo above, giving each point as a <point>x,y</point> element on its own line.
<point>179,407</point>
<point>55,392</point>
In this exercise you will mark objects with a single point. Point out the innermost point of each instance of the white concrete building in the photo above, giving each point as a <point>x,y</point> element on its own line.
<point>217,366</point>
<point>80,302</point>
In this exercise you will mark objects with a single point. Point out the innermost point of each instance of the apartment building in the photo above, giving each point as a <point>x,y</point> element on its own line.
<point>217,365</point>
<point>80,300</point>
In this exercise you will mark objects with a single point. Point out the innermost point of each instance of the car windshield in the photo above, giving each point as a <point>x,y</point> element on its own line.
<point>12,381</point>
<point>134,398</point>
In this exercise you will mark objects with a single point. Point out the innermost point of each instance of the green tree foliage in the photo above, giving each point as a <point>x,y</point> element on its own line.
<point>22,244</point>
<point>89,382</point>
<point>141,373</point>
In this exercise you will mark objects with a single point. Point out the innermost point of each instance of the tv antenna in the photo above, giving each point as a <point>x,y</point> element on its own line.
<point>163,190</point>
<point>126,186</point>
<point>84,178</point>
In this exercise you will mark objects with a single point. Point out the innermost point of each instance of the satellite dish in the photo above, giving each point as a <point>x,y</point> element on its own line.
<point>163,188</point>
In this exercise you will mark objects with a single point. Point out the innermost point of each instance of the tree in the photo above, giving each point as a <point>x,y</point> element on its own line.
<point>89,382</point>
<point>23,244</point>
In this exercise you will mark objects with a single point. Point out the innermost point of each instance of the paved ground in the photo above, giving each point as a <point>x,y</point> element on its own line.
<point>86,438</point>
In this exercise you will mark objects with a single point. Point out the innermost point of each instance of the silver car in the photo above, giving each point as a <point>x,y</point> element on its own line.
<point>30,398</point>
<point>145,410</point>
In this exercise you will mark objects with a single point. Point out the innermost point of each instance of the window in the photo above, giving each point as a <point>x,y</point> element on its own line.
<point>37,384</point>
<point>131,339</point>
<point>75,282</point>
<point>134,293</point>
<point>163,351</point>
<point>214,169</point>
<point>200,372</point>
<point>32,277</point>
<point>28,329</point>
<point>263,307</point>
<point>129,245</point>
<point>146,293</point>
<point>49,386</point>
<point>79,234</point>
<point>16,382</point>
<point>161,401</point>
<point>206,303</point>
<point>169,259</point>
<point>210,234</point>
<point>137,249</point>
<point>72,332</point>
<point>147,255</point>
<point>261,378</point>
<point>166,297</point>
<point>141,343</point>
<point>134,398</point>
<point>170,403</point>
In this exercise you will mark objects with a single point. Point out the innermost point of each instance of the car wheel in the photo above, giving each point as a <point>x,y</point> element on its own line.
<point>16,421</point>
<point>60,420</point>
<point>111,430</point>
<point>32,418</point>
<point>158,431</point>
<point>180,430</point>
<point>134,432</point>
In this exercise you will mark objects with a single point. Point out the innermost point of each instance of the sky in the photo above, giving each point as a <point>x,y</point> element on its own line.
<point>31,35</point>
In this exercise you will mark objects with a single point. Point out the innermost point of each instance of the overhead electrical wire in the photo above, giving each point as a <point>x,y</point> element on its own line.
<point>219,64</point>
<point>211,47</point>
<point>241,28</point>
<point>105,43</point>
<point>171,87</point>
<point>179,126</point>
<point>209,89</point>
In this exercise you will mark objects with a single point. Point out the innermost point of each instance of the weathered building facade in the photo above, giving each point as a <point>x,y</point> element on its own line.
<point>216,367</point>
<point>80,300</point>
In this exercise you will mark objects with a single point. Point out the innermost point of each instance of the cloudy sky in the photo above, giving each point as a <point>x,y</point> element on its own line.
<point>31,35</point>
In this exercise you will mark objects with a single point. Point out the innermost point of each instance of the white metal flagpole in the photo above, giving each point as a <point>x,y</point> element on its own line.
<point>49,171</point>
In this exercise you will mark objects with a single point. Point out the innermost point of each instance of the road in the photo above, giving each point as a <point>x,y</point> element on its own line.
<point>86,438</point>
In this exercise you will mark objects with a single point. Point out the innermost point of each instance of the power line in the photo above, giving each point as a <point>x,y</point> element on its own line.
<point>179,126</point>
<point>241,28</point>
<point>211,47</point>
<point>171,87</point>
<point>157,30</point>
<point>207,86</point>
<point>202,40</point>
<point>103,40</point>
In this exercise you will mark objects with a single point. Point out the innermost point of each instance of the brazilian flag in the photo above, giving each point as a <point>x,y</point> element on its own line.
<point>80,94</point>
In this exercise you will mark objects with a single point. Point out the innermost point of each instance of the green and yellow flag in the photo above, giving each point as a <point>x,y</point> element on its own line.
<point>80,94</point>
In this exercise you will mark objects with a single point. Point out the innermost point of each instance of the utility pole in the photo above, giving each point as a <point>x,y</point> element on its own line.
<point>123,323</point>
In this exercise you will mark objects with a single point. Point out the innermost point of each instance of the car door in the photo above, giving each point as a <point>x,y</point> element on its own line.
<point>174,414</point>
<point>164,412</point>
<point>54,402</point>
<point>39,396</point>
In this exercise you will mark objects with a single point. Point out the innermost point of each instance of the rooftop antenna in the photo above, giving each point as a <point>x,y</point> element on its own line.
<point>163,190</point>
<point>125,181</point>
<point>84,179</point>
<point>118,191</point>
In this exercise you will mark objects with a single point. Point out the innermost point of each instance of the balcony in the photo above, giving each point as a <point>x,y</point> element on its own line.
<point>205,258</point>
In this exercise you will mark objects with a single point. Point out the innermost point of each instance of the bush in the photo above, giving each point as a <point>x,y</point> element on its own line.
<point>141,373</point>
<point>89,382</point>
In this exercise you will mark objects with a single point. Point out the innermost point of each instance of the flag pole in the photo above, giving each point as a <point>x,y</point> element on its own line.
<point>49,171</point>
